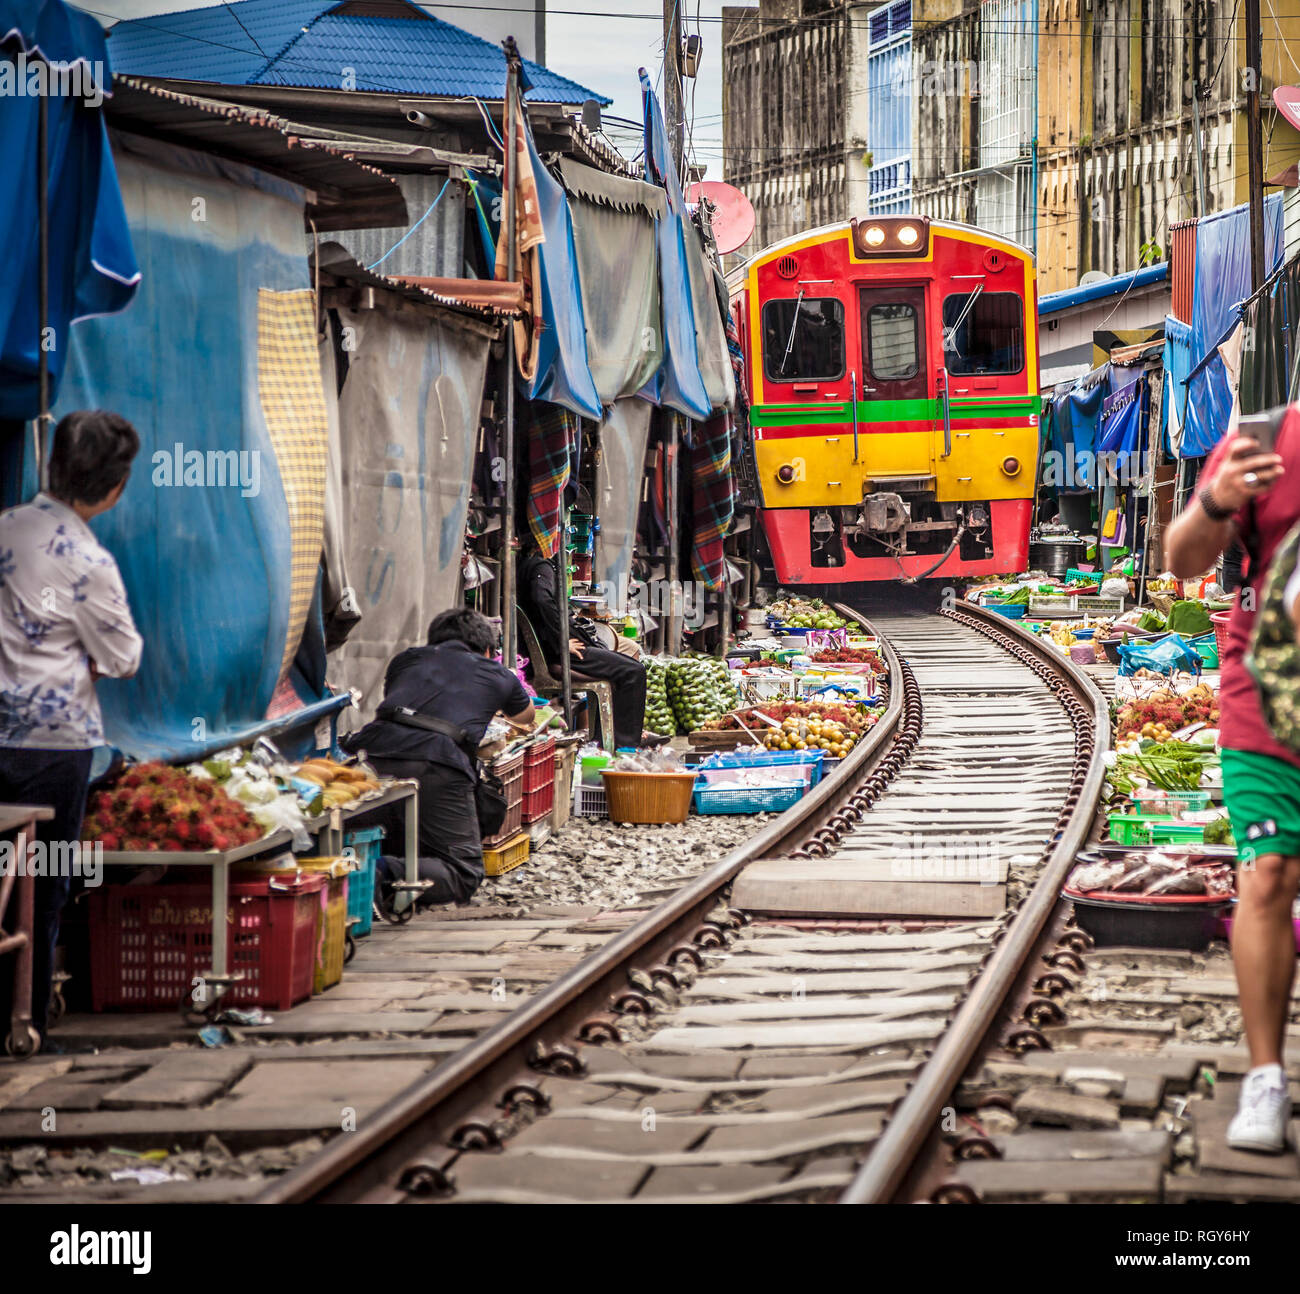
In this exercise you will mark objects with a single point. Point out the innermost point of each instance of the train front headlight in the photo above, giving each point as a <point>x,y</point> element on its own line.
<point>909,235</point>
<point>874,236</point>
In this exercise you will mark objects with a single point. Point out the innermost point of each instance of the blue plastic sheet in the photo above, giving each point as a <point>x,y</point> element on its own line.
<point>1222,282</point>
<point>1121,419</point>
<point>1178,363</point>
<point>92,268</point>
<point>212,603</point>
<point>678,383</point>
<point>562,376</point>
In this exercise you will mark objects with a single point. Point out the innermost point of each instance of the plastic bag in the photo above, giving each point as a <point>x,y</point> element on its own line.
<point>284,811</point>
<point>1164,657</point>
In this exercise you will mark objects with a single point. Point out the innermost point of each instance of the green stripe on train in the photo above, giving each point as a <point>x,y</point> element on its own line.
<point>791,415</point>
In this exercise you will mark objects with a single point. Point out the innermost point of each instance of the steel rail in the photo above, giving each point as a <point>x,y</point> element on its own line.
<point>369,1162</point>
<point>913,1122</point>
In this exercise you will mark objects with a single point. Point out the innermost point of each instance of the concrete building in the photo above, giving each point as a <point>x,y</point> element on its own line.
<point>794,108</point>
<point>1076,135</point>
<point>1067,125</point>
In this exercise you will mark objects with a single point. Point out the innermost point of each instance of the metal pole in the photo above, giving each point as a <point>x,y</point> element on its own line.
<point>673,111</point>
<point>43,291</point>
<point>674,625</point>
<point>1254,145</point>
<point>510,181</point>
<point>562,585</point>
<point>1200,152</point>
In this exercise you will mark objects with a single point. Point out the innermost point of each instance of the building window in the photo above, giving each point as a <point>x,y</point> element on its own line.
<point>892,342</point>
<point>983,332</point>
<point>803,340</point>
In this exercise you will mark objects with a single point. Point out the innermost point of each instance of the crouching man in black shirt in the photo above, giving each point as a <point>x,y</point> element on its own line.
<point>452,679</point>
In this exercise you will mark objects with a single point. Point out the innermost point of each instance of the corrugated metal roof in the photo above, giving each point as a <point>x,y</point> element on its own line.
<point>315,44</point>
<point>349,194</point>
<point>1112,287</point>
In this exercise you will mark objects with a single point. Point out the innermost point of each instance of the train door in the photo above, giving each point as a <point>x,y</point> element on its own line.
<point>894,383</point>
<point>893,344</point>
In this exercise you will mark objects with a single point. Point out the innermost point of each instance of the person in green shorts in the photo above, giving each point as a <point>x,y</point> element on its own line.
<point>1254,497</point>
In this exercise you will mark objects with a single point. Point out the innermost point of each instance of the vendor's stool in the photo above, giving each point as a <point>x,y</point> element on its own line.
<point>545,684</point>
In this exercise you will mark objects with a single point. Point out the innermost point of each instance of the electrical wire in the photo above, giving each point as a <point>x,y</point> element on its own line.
<point>413,228</point>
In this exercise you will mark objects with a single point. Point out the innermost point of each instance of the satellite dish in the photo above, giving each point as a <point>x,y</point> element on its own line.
<point>1093,276</point>
<point>1287,99</point>
<point>733,216</point>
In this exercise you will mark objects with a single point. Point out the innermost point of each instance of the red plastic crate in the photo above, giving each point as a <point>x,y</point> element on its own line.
<point>149,942</point>
<point>509,828</point>
<point>539,803</point>
<point>539,765</point>
<point>510,770</point>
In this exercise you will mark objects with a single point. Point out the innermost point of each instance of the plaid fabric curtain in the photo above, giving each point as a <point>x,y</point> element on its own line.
<point>711,501</point>
<point>552,430</point>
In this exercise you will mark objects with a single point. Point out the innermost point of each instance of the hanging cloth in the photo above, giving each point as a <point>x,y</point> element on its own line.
<point>551,431</point>
<point>711,499</point>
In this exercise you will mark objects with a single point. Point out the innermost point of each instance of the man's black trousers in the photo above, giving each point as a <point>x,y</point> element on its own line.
<point>451,850</point>
<point>627,679</point>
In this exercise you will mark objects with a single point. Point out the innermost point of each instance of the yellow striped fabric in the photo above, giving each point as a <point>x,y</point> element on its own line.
<point>293,403</point>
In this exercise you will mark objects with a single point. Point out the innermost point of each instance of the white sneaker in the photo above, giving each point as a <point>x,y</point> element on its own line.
<point>1260,1123</point>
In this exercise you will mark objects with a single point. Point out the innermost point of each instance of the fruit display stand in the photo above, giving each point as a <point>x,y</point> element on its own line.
<point>328,829</point>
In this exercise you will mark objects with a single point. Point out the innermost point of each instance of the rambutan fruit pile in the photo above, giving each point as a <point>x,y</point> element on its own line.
<point>157,807</point>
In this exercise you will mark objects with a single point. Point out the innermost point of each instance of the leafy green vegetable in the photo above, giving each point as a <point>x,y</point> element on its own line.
<point>1152,621</point>
<point>1219,832</point>
<point>1189,618</point>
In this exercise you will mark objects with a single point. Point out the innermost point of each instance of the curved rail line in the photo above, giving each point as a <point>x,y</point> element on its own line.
<point>402,1151</point>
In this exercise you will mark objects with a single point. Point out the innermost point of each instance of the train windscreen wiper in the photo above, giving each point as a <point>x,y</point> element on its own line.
<point>794,324</point>
<point>949,339</point>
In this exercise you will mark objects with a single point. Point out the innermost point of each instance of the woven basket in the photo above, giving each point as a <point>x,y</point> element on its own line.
<point>1220,619</point>
<point>649,798</point>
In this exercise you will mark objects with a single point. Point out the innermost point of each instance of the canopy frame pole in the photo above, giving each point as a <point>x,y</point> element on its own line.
<point>509,635</point>
<point>562,586</point>
<point>43,292</point>
<point>674,644</point>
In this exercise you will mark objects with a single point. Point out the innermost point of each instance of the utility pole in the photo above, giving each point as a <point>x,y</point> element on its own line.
<point>675,120</point>
<point>674,113</point>
<point>510,183</point>
<point>1255,144</point>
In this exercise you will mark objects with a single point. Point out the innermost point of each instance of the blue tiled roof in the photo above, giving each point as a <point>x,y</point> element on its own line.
<point>307,43</point>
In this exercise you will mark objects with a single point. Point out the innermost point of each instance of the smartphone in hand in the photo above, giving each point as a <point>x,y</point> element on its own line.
<point>1262,427</point>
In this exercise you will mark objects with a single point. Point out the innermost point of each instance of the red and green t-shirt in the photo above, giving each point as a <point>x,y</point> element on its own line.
<point>1262,524</point>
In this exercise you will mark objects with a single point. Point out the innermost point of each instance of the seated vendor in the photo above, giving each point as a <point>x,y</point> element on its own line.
<point>453,678</point>
<point>539,599</point>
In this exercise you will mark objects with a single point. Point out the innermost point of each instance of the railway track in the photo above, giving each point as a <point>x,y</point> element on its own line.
<point>710,1053</point>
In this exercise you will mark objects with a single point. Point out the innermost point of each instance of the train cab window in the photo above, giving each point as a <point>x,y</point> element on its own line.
<point>803,339</point>
<point>984,333</point>
<point>892,341</point>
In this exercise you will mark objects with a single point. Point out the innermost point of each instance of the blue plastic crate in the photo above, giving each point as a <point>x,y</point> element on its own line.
<point>366,843</point>
<point>769,759</point>
<point>745,799</point>
<point>1011,610</point>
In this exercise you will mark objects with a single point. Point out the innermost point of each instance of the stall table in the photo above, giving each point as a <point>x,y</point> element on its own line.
<point>20,819</point>
<point>328,828</point>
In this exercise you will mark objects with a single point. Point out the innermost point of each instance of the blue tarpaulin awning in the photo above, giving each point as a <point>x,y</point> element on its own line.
<point>1222,283</point>
<point>92,267</point>
<point>678,383</point>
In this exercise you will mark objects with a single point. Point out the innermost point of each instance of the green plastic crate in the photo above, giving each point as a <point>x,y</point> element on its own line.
<point>1153,829</point>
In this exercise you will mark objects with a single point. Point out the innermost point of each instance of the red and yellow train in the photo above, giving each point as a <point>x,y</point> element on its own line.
<point>893,382</point>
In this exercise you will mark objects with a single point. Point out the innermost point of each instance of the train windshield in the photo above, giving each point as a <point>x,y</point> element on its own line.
<point>984,332</point>
<point>803,339</point>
